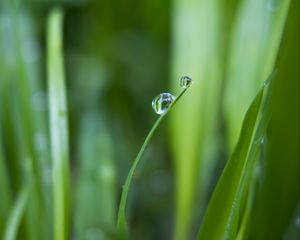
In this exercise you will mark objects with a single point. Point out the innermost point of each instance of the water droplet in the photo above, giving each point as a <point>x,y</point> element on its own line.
<point>185,81</point>
<point>266,83</point>
<point>162,102</point>
<point>261,140</point>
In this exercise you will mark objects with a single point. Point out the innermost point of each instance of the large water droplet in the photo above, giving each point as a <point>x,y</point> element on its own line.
<point>162,102</point>
<point>185,81</point>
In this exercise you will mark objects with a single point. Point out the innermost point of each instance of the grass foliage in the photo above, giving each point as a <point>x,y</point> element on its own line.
<point>76,84</point>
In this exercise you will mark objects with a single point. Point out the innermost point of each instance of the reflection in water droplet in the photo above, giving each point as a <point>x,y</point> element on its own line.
<point>162,102</point>
<point>185,81</point>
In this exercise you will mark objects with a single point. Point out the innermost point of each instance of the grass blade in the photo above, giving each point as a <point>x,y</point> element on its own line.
<point>279,191</point>
<point>5,187</point>
<point>17,213</point>
<point>58,125</point>
<point>122,228</point>
<point>5,192</point>
<point>197,53</point>
<point>221,218</point>
<point>96,181</point>
<point>19,123</point>
<point>256,36</point>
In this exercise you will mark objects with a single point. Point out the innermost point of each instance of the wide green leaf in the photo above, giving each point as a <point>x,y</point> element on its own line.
<point>222,216</point>
<point>196,51</point>
<point>279,192</point>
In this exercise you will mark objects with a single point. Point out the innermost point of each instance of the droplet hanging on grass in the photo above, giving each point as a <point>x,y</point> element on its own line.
<point>162,102</point>
<point>185,81</point>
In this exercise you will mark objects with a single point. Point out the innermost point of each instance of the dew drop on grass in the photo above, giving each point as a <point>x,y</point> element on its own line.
<point>162,102</point>
<point>266,83</point>
<point>185,81</point>
<point>261,140</point>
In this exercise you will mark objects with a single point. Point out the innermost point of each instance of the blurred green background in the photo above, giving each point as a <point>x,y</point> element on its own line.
<point>76,85</point>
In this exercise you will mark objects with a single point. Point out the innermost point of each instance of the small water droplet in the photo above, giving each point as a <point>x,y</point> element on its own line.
<point>266,83</point>
<point>261,140</point>
<point>162,102</point>
<point>185,81</point>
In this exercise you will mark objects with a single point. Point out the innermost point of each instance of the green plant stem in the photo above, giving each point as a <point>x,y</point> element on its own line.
<point>17,213</point>
<point>58,126</point>
<point>122,227</point>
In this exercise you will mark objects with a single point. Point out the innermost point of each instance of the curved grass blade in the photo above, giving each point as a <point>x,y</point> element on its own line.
<point>122,228</point>
<point>221,218</point>
<point>18,210</point>
<point>58,125</point>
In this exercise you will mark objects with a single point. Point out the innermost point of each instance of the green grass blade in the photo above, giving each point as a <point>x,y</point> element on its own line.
<point>255,40</point>
<point>19,123</point>
<point>221,218</point>
<point>96,181</point>
<point>5,192</point>
<point>279,191</point>
<point>17,213</point>
<point>196,52</point>
<point>122,228</point>
<point>58,125</point>
<point>5,187</point>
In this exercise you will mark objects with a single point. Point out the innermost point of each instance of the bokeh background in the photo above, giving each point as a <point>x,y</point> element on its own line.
<point>117,56</point>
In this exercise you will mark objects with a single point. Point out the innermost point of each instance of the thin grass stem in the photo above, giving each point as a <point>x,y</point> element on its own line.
<point>122,227</point>
<point>17,213</point>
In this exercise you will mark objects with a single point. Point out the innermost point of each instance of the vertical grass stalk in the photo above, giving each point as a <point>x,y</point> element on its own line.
<point>17,213</point>
<point>58,124</point>
<point>196,51</point>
